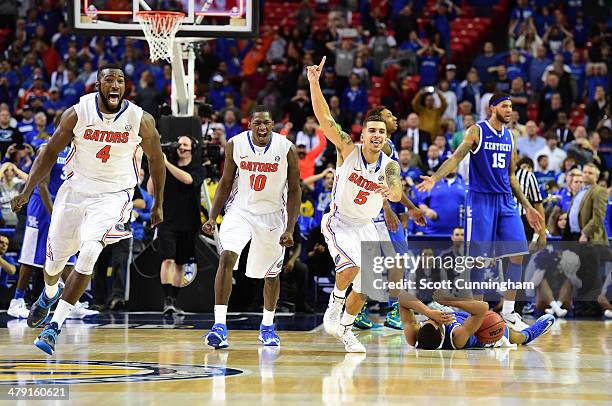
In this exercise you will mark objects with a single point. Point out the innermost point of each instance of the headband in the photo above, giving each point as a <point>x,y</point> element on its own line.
<point>493,103</point>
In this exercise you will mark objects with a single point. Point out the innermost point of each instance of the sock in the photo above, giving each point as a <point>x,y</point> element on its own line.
<point>51,290</point>
<point>508,306</point>
<point>514,272</point>
<point>61,312</point>
<point>167,289</point>
<point>392,300</point>
<point>174,291</point>
<point>268,317</point>
<point>19,294</point>
<point>339,293</point>
<point>220,314</point>
<point>347,319</point>
<point>555,306</point>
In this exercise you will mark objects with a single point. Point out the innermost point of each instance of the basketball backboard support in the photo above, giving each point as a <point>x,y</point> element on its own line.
<point>203,18</point>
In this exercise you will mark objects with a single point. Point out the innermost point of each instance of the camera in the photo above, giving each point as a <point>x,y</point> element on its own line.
<point>169,149</point>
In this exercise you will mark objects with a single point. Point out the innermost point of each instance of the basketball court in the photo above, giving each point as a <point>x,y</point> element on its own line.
<point>141,359</point>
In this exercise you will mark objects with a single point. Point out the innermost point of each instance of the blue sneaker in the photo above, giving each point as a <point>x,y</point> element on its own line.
<point>217,336</point>
<point>363,322</point>
<point>46,340</point>
<point>393,319</point>
<point>540,327</point>
<point>39,312</point>
<point>268,337</point>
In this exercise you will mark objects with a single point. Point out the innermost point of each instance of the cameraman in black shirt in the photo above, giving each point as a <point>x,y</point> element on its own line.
<point>176,235</point>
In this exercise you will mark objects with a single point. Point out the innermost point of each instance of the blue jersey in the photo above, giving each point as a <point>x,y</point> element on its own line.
<point>57,175</point>
<point>397,207</point>
<point>472,342</point>
<point>490,162</point>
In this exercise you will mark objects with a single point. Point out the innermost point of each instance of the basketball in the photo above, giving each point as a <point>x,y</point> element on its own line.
<point>492,328</point>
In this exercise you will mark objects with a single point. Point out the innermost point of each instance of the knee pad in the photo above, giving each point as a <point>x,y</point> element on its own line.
<point>55,267</point>
<point>90,251</point>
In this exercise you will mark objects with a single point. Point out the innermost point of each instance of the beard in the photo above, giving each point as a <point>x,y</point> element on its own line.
<point>501,118</point>
<point>108,108</point>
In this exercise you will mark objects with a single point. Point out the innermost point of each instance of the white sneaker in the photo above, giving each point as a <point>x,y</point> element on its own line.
<point>514,321</point>
<point>81,311</point>
<point>608,314</point>
<point>559,311</point>
<point>18,309</point>
<point>349,339</point>
<point>331,319</point>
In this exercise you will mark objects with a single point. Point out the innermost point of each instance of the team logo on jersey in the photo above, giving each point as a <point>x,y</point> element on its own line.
<point>381,177</point>
<point>76,372</point>
<point>128,127</point>
<point>279,264</point>
<point>120,227</point>
<point>276,158</point>
<point>337,259</point>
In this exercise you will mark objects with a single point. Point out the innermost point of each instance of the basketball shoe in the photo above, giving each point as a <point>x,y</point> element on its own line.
<point>268,337</point>
<point>18,309</point>
<point>81,310</point>
<point>556,309</point>
<point>42,307</point>
<point>514,321</point>
<point>363,321</point>
<point>331,318</point>
<point>46,340</point>
<point>217,336</point>
<point>608,314</point>
<point>540,327</point>
<point>393,319</point>
<point>349,339</point>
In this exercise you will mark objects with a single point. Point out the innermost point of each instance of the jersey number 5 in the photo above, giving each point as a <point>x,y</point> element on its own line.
<point>104,153</point>
<point>258,182</point>
<point>499,160</point>
<point>362,197</point>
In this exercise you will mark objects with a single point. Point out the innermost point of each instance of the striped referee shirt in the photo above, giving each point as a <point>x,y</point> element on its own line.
<point>529,187</point>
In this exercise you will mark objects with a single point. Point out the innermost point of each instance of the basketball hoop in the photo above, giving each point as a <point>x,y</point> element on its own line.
<point>160,28</point>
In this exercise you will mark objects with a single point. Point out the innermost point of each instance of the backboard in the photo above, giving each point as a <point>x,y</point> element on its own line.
<point>203,18</point>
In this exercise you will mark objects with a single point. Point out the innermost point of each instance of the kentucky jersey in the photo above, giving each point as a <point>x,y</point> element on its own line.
<point>260,185</point>
<point>490,161</point>
<point>472,342</point>
<point>57,176</point>
<point>354,193</point>
<point>106,151</point>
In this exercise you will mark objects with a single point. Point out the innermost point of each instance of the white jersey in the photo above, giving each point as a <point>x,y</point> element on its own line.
<point>354,195</point>
<point>106,151</point>
<point>260,185</point>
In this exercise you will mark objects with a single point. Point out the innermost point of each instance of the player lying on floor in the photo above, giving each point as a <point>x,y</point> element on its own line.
<point>454,333</point>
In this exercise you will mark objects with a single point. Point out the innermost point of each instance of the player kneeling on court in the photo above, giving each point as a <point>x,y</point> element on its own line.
<point>261,173</point>
<point>475,327</point>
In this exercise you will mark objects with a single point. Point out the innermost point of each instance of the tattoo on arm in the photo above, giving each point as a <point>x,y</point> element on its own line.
<point>394,181</point>
<point>344,137</point>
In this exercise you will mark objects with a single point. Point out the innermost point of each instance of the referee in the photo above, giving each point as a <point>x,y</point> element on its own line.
<point>531,190</point>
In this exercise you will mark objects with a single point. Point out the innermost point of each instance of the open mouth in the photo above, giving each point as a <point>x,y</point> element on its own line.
<point>113,97</point>
<point>376,143</point>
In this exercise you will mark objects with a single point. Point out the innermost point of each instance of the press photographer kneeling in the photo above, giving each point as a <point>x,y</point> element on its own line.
<point>176,235</point>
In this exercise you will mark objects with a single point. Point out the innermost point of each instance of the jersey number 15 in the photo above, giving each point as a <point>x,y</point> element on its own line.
<point>499,160</point>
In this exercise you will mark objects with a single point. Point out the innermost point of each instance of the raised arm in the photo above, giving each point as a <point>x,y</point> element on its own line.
<point>294,197</point>
<point>151,146</point>
<point>44,162</point>
<point>331,130</point>
<point>471,139</point>
<point>223,189</point>
<point>533,217</point>
<point>477,310</point>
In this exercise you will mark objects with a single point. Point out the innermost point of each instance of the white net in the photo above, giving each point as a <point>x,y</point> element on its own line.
<point>160,28</point>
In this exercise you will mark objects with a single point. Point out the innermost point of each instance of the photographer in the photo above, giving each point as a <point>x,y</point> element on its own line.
<point>176,235</point>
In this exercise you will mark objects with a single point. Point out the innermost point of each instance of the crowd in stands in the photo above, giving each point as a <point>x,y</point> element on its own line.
<point>435,64</point>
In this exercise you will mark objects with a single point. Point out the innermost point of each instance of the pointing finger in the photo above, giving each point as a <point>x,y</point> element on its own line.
<point>322,63</point>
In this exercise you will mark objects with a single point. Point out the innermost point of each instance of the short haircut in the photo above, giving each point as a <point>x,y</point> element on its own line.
<point>592,165</point>
<point>551,135</point>
<point>260,108</point>
<point>109,66</point>
<point>496,97</point>
<point>523,161</point>
<point>373,118</point>
<point>376,111</point>
<point>429,337</point>
<point>542,156</point>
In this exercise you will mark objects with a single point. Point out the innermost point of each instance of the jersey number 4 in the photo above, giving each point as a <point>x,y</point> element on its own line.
<point>104,154</point>
<point>362,197</point>
<point>258,182</point>
<point>499,160</point>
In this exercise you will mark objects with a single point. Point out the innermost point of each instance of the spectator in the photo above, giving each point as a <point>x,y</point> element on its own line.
<point>530,145</point>
<point>562,130</point>
<point>596,75</point>
<point>295,276</point>
<point>433,161</point>
<point>471,88</point>
<point>440,142</point>
<point>544,174</point>
<point>8,134</point>
<point>268,96</point>
<point>54,107</point>
<point>468,121</point>
<point>298,108</point>
<point>321,186</point>
<point>596,109</point>
<point>465,108</point>
<point>404,22</point>
<point>330,86</point>
<point>307,158</point>
<point>578,70</point>
<point>519,98</point>
<point>450,97</point>
<point>41,133</point>
<point>147,95</point>
<point>555,155</point>
<point>502,81</point>
<point>345,53</point>
<point>355,98</point>
<point>380,44</point>
<point>453,83</point>
<point>549,114</point>
<point>232,128</point>
<point>421,139</point>
<point>528,39</point>
<point>72,90</point>
<point>8,265</point>
<point>429,60</point>
<point>573,182</point>
<point>554,36</point>
<point>308,136</point>
<point>557,223</point>
<point>409,167</point>
<point>580,149</point>
<point>12,180</point>
<point>484,61</point>
<point>361,70</point>
<point>443,204</point>
<point>429,115</point>
<point>517,129</point>
<point>340,116</point>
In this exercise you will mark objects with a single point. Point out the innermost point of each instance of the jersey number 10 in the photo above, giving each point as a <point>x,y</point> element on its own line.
<point>499,160</point>
<point>258,182</point>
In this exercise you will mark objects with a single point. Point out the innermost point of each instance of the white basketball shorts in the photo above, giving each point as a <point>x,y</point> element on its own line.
<point>266,255</point>
<point>79,217</point>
